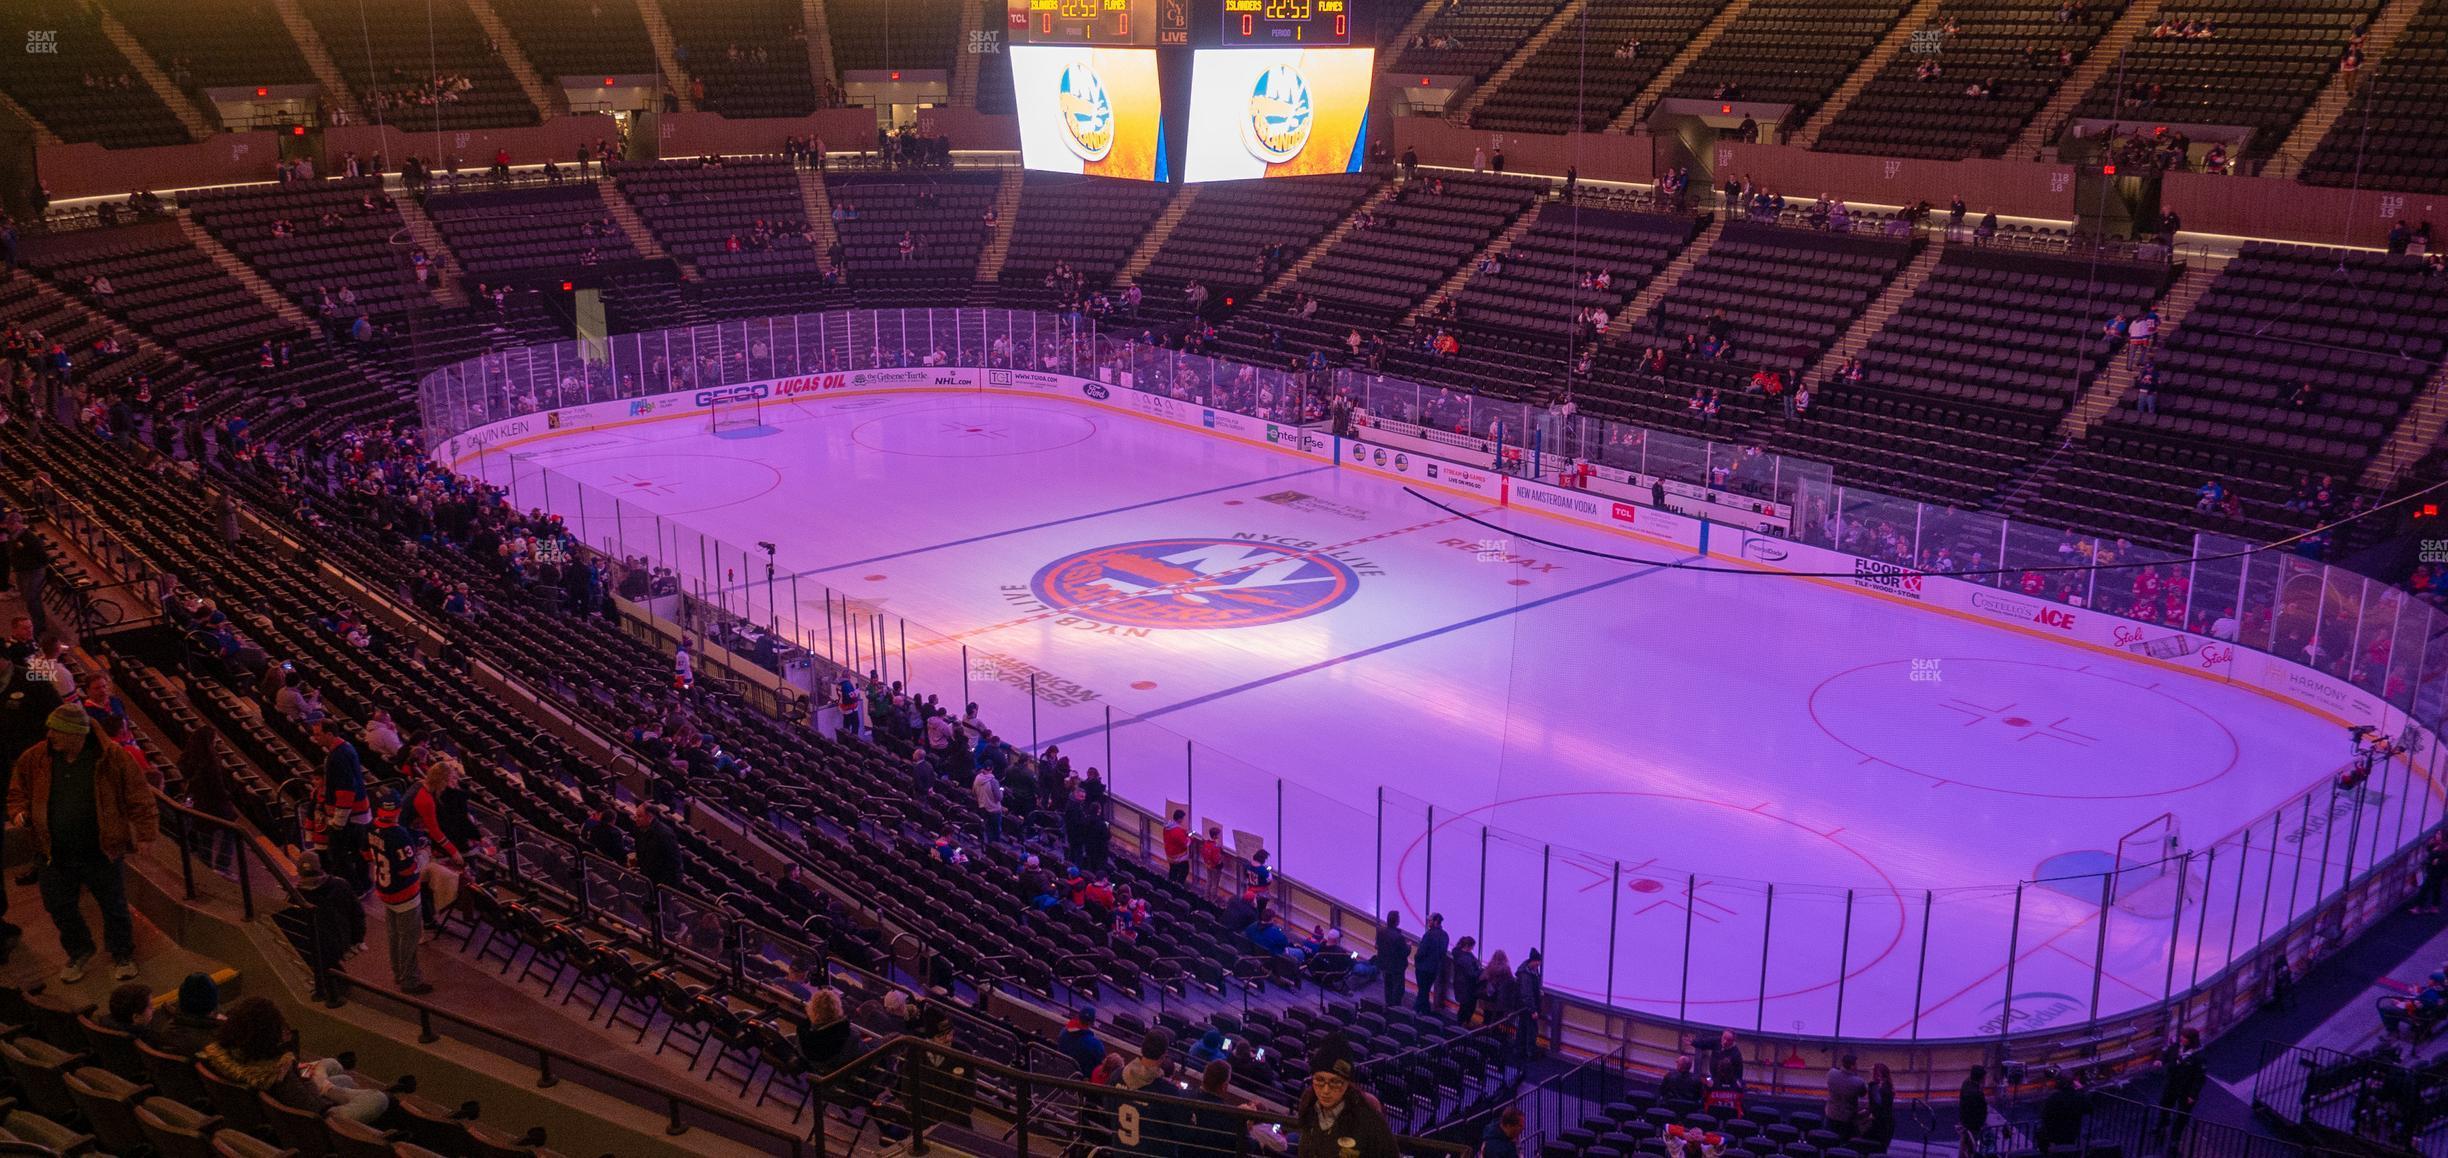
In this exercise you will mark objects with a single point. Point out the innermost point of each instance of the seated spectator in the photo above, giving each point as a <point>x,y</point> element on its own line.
<point>827,1042</point>
<point>1682,1087</point>
<point>127,1009</point>
<point>186,1027</point>
<point>253,1049</point>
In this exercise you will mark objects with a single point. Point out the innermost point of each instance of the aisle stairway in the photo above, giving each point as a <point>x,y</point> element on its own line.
<point>1856,337</point>
<point>1529,47</point>
<point>243,273</point>
<point>1923,14</point>
<point>819,45</point>
<point>2325,110</point>
<point>1007,221</point>
<point>1628,318</point>
<point>2110,387</point>
<point>336,90</point>
<point>1144,254</point>
<point>1309,257</point>
<point>548,99</point>
<point>2416,434</point>
<point>1636,112</point>
<point>422,230</point>
<point>191,116</point>
<point>667,54</point>
<point>2104,55</point>
<point>648,245</point>
<point>1497,245</point>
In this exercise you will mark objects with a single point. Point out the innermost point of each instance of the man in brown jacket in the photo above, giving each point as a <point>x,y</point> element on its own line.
<point>89,807</point>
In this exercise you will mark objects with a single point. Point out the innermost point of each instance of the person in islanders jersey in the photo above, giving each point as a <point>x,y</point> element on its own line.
<point>397,857</point>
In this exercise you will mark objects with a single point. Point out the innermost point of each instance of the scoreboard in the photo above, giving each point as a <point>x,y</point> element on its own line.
<point>1166,23</point>
<point>1104,23</point>
<point>1285,23</point>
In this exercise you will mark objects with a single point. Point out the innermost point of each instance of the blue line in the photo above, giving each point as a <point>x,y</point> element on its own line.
<point>1364,653</point>
<point>1070,519</point>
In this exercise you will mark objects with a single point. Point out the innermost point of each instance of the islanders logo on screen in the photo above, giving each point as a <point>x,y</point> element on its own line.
<point>1087,113</point>
<point>1277,127</point>
<point>1195,583</point>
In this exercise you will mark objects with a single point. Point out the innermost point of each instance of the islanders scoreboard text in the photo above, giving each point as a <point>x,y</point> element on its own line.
<point>1179,23</point>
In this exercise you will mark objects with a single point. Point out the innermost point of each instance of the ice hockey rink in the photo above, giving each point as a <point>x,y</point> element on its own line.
<point>1745,798</point>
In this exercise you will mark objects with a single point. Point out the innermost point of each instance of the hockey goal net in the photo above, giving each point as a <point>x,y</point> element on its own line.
<point>2147,856</point>
<point>736,414</point>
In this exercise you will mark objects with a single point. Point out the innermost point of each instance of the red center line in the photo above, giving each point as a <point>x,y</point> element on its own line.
<point>1188,586</point>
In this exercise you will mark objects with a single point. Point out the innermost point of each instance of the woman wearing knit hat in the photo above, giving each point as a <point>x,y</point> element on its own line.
<point>1338,1119</point>
<point>89,807</point>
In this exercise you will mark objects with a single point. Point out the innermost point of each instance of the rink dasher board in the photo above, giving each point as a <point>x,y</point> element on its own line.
<point>2195,655</point>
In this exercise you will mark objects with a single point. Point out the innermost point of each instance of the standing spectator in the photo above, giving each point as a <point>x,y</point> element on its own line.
<point>2186,1075</point>
<point>336,918</point>
<point>1464,969</point>
<point>1726,1064</point>
<point>1211,860</point>
<point>2061,1115</point>
<point>89,807</point>
<point>207,785</point>
<point>1972,1114</point>
<point>1878,1109</point>
<point>658,854</point>
<point>1429,961</point>
<point>1177,847</point>
<point>440,804</point>
<point>1499,990</point>
<point>28,566</point>
<point>1079,1042</point>
<point>340,802</point>
<point>989,793</point>
<point>1393,958</point>
<point>26,704</point>
<point>1844,1097</point>
<point>1531,981</point>
<point>397,858</point>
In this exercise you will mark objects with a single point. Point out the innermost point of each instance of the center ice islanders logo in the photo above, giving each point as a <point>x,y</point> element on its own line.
<point>1279,115</point>
<point>1087,114</point>
<point>1195,583</point>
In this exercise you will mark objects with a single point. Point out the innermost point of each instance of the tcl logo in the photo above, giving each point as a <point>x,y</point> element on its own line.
<point>1626,513</point>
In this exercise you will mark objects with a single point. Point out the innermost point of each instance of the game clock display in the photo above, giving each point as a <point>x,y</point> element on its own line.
<point>1089,22</point>
<point>1286,23</point>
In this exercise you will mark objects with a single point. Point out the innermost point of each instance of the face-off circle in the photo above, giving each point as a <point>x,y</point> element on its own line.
<point>2024,729</point>
<point>673,482</point>
<point>959,431</point>
<point>1195,583</point>
<point>1654,897</point>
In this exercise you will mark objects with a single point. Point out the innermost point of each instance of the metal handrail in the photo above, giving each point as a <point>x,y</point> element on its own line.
<point>248,850</point>
<point>674,1102</point>
<point>1028,1086</point>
